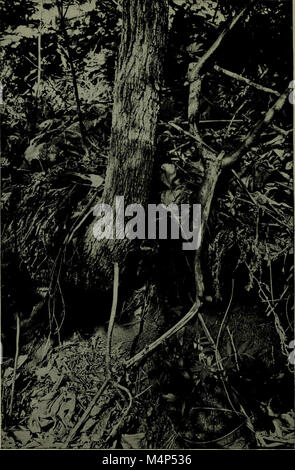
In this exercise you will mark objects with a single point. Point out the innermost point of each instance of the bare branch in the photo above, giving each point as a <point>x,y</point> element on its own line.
<point>253,134</point>
<point>195,79</point>
<point>219,121</point>
<point>178,326</point>
<point>200,64</point>
<point>240,78</point>
<point>193,112</point>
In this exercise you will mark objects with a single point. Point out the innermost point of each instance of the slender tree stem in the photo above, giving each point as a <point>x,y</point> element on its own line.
<point>72,67</point>
<point>38,90</point>
<point>15,362</point>
<point>112,318</point>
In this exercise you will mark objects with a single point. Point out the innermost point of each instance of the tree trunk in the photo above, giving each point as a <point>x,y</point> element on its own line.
<point>135,113</point>
<point>136,100</point>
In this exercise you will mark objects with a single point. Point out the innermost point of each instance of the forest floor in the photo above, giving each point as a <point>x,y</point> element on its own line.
<point>180,404</point>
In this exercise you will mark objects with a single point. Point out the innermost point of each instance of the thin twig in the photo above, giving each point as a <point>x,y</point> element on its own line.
<point>81,219</point>
<point>15,363</point>
<point>233,119</point>
<point>270,269</point>
<point>282,131</point>
<point>72,67</point>
<point>144,391</point>
<point>118,425</point>
<point>218,359</point>
<point>233,346</point>
<point>267,211</point>
<point>39,52</point>
<point>226,312</point>
<point>112,319</point>
<point>249,82</point>
<point>196,138</point>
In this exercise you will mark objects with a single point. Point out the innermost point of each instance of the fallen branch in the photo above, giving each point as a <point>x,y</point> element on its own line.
<point>219,121</point>
<point>249,82</point>
<point>178,326</point>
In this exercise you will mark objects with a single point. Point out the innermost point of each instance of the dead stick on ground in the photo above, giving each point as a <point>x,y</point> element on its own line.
<point>15,362</point>
<point>107,359</point>
<point>178,326</point>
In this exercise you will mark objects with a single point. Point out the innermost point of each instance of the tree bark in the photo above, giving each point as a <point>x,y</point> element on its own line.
<point>136,100</point>
<point>134,120</point>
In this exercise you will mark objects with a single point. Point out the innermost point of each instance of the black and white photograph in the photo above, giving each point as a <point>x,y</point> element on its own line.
<point>147,227</point>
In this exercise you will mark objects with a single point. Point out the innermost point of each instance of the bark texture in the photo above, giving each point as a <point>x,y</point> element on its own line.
<point>134,120</point>
<point>136,100</point>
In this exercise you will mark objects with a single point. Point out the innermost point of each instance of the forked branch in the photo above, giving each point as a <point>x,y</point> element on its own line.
<point>195,78</point>
<point>200,64</point>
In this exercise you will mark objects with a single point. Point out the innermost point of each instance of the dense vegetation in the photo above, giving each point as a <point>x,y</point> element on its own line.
<point>223,379</point>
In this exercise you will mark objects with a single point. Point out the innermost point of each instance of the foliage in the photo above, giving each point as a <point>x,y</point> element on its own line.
<point>211,384</point>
